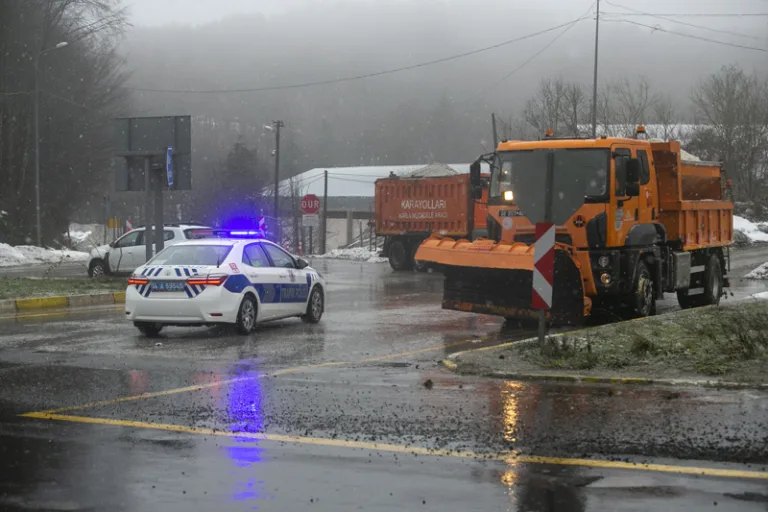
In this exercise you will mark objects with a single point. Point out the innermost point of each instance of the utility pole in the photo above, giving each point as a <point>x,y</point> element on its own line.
<point>495,135</point>
<point>325,214</point>
<point>277,125</point>
<point>594,78</point>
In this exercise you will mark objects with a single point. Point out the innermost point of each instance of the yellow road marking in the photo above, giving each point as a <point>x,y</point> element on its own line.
<point>416,450</point>
<point>62,313</point>
<point>199,387</point>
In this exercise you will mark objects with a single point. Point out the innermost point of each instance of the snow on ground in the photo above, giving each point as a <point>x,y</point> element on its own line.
<point>354,254</point>
<point>750,229</point>
<point>760,296</point>
<point>30,255</point>
<point>760,272</point>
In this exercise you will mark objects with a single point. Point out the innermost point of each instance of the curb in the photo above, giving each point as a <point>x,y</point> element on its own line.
<point>11,306</point>
<point>584,379</point>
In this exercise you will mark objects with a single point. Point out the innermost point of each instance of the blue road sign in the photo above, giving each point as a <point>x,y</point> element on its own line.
<point>169,165</point>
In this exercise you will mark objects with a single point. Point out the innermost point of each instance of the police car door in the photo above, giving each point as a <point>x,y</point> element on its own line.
<point>265,278</point>
<point>293,282</point>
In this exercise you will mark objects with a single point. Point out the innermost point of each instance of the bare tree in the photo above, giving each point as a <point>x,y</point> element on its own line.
<point>545,110</point>
<point>634,101</point>
<point>734,107</point>
<point>575,109</point>
<point>667,118</point>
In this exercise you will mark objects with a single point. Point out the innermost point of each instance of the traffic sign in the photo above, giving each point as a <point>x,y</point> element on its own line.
<point>543,265</point>
<point>169,166</point>
<point>310,220</point>
<point>310,204</point>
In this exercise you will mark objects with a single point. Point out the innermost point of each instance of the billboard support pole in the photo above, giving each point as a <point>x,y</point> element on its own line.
<point>157,177</point>
<point>148,231</point>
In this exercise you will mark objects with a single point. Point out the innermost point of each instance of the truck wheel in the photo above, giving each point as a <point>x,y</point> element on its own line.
<point>399,256</point>
<point>418,266</point>
<point>713,287</point>
<point>643,301</point>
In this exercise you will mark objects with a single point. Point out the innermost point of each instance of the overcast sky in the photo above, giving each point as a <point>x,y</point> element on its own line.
<point>195,12</point>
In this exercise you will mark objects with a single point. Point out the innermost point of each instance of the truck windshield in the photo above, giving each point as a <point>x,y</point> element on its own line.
<point>582,169</point>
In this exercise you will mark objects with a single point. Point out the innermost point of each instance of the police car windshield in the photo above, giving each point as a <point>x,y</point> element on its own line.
<point>207,254</point>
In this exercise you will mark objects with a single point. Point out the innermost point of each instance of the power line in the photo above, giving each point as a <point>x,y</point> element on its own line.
<point>690,36</point>
<point>666,18</point>
<point>349,180</point>
<point>18,93</point>
<point>66,100</point>
<point>545,48</point>
<point>357,77</point>
<point>699,15</point>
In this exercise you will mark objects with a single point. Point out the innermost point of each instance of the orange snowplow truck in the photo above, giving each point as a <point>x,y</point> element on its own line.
<point>409,210</point>
<point>633,221</point>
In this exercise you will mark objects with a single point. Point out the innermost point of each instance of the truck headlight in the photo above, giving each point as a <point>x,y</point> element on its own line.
<point>508,195</point>
<point>603,261</point>
<point>606,279</point>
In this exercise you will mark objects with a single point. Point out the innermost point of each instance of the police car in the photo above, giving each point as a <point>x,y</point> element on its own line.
<point>223,281</point>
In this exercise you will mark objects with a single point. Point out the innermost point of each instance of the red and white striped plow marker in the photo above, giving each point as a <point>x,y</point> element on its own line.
<point>543,266</point>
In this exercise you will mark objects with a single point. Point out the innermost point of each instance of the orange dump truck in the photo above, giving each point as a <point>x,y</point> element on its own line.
<point>409,210</point>
<point>633,221</point>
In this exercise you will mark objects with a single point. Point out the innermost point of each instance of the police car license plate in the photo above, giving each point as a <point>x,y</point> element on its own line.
<point>167,286</point>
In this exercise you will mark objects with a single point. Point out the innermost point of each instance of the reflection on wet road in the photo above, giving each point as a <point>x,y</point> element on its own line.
<point>351,414</point>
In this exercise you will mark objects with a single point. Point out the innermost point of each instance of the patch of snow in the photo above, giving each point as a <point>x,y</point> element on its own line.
<point>760,296</point>
<point>750,229</point>
<point>760,272</point>
<point>354,254</point>
<point>30,255</point>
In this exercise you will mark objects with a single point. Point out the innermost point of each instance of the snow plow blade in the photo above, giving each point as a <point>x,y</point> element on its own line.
<point>497,279</point>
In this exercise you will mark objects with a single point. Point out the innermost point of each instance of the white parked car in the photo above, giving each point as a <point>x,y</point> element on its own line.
<point>241,282</point>
<point>129,251</point>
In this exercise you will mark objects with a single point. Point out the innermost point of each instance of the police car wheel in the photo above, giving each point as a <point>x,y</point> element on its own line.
<point>246,316</point>
<point>149,329</point>
<point>314,307</point>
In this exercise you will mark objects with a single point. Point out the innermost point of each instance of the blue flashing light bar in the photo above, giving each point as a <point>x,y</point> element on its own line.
<point>238,233</point>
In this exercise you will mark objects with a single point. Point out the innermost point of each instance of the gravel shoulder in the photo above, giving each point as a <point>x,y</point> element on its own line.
<point>714,343</point>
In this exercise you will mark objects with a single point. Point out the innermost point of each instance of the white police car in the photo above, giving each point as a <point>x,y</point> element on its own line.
<point>223,281</point>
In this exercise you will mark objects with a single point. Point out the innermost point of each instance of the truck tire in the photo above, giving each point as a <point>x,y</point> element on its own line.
<point>400,258</point>
<point>643,299</point>
<point>418,266</point>
<point>713,287</point>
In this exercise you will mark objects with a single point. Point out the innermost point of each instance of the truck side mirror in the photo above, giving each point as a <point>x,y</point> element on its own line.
<point>633,171</point>
<point>474,174</point>
<point>477,192</point>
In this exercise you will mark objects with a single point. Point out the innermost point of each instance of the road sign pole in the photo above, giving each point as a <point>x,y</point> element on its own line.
<point>310,241</point>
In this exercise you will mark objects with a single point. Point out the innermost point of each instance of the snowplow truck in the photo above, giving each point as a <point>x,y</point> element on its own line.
<point>633,221</point>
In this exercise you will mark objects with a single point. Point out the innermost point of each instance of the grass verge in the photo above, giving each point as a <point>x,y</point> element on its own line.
<point>730,343</point>
<point>23,288</point>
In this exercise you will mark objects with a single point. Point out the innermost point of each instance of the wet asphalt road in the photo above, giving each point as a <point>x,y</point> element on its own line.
<point>351,414</point>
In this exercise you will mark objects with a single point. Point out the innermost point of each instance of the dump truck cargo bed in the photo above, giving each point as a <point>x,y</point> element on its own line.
<point>440,205</point>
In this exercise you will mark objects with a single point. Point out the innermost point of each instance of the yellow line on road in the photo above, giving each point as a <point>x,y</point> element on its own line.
<point>62,313</point>
<point>197,387</point>
<point>416,450</point>
<point>284,371</point>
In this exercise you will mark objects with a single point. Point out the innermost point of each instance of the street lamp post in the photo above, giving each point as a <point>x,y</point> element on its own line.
<point>37,138</point>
